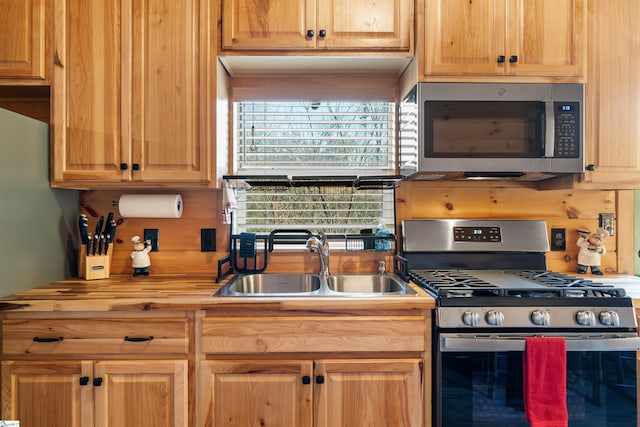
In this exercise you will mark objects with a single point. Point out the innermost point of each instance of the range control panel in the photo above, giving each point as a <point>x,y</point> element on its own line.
<point>477,234</point>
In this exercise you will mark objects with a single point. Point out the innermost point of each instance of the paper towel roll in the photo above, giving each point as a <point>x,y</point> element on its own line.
<point>150,205</point>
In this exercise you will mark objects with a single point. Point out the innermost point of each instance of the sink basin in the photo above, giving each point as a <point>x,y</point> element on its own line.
<point>303,285</point>
<point>271,285</point>
<point>368,284</point>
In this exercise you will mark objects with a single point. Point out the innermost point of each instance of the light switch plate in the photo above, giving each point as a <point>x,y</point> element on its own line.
<point>608,222</point>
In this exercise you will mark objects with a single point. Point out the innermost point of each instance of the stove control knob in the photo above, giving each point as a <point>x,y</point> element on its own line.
<point>471,318</point>
<point>609,318</point>
<point>494,318</point>
<point>586,318</point>
<point>540,317</point>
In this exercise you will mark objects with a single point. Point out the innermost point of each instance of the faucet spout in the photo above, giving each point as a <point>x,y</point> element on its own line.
<point>321,245</point>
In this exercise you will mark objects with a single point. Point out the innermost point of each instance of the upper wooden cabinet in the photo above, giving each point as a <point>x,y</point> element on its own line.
<point>612,131</point>
<point>134,93</point>
<point>534,38</point>
<point>23,41</point>
<point>356,25</point>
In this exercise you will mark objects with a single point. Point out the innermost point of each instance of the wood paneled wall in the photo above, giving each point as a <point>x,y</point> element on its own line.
<point>568,209</point>
<point>179,239</point>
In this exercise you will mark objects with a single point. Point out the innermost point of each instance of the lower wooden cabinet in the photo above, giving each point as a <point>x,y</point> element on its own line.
<point>320,370</point>
<point>95,370</point>
<point>141,393</point>
<point>306,393</point>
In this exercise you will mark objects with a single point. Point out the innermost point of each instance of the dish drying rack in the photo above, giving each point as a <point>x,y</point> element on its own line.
<point>249,252</point>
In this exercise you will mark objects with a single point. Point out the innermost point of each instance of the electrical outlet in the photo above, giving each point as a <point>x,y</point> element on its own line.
<point>608,222</point>
<point>207,240</point>
<point>152,234</point>
<point>558,239</point>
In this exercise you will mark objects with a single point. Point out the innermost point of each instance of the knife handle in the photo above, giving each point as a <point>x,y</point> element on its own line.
<point>89,245</point>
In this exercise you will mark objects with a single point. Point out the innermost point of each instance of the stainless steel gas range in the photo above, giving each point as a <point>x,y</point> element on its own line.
<point>492,291</point>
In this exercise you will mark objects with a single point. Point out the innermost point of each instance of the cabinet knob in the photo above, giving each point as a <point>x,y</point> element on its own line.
<point>135,166</point>
<point>590,167</point>
<point>84,380</point>
<point>323,33</point>
<point>310,34</point>
<point>320,379</point>
<point>306,379</point>
<point>124,166</point>
<point>501,59</point>
<point>97,382</point>
<point>513,58</point>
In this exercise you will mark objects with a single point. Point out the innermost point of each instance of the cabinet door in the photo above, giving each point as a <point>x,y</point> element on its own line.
<point>464,37</point>
<point>141,393</point>
<point>547,37</point>
<point>612,115</point>
<point>22,43</point>
<point>375,393</point>
<point>252,393</point>
<point>365,24</point>
<point>268,24</point>
<point>168,138</point>
<point>47,394</point>
<point>87,142</point>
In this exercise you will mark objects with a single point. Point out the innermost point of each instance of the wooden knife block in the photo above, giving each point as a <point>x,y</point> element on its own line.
<point>93,267</point>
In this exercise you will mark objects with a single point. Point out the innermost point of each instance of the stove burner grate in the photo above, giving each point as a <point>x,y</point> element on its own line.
<point>545,284</point>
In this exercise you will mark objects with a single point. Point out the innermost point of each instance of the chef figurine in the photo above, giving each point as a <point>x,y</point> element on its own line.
<point>591,249</point>
<point>140,256</point>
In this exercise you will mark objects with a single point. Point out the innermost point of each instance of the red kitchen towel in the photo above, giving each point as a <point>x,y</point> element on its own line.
<point>545,382</point>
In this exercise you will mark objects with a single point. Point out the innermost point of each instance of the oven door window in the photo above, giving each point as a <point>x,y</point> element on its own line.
<point>496,129</point>
<point>485,389</point>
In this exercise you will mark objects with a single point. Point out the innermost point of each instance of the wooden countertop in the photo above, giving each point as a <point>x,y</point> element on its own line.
<point>183,292</point>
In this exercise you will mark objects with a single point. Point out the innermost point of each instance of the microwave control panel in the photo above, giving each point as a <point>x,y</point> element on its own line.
<point>567,129</point>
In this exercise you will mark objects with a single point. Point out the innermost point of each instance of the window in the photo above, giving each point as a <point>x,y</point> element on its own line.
<point>314,139</point>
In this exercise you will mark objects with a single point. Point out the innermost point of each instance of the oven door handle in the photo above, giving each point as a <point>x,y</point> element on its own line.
<point>505,343</point>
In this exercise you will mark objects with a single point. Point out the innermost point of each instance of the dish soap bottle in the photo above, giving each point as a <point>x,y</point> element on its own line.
<point>381,230</point>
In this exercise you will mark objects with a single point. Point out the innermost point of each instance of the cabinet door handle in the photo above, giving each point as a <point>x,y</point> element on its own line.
<point>138,339</point>
<point>590,167</point>
<point>306,379</point>
<point>310,34</point>
<point>124,166</point>
<point>38,339</point>
<point>135,166</point>
<point>320,379</point>
<point>322,34</point>
<point>84,380</point>
<point>513,58</point>
<point>501,59</point>
<point>97,382</point>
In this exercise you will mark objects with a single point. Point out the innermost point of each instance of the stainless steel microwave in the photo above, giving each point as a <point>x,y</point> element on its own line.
<point>520,131</point>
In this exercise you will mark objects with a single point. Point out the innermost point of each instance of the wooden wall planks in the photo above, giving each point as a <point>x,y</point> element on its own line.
<point>180,238</point>
<point>569,209</point>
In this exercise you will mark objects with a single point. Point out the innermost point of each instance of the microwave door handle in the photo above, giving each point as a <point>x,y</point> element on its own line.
<point>495,344</point>
<point>550,129</point>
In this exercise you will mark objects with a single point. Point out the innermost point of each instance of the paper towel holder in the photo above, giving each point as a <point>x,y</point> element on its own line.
<point>171,207</point>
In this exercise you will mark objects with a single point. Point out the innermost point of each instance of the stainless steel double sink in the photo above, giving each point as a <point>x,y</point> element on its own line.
<point>291,284</point>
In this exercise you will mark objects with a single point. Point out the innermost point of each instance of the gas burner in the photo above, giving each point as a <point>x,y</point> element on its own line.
<point>451,279</point>
<point>551,278</point>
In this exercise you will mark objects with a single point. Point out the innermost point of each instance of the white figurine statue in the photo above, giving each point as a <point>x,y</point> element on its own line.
<point>140,256</point>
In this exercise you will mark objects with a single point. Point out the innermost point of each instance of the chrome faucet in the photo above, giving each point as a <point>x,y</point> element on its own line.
<point>382,267</point>
<point>321,245</point>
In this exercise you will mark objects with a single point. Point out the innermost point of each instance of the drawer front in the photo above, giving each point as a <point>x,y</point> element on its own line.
<point>94,336</point>
<point>225,335</point>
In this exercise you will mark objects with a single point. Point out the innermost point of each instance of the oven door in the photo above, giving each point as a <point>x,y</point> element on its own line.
<point>478,379</point>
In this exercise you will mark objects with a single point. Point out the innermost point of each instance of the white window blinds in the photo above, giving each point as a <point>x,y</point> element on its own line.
<point>316,138</point>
